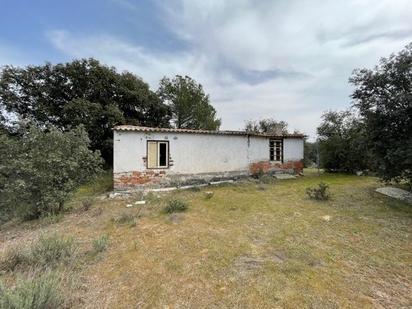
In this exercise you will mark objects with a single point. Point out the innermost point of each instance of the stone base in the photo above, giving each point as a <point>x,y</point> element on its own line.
<point>161,178</point>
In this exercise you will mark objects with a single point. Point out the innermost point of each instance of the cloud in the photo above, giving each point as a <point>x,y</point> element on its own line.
<point>288,60</point>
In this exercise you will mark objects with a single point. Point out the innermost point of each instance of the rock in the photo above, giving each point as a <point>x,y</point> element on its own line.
<point>140,202</point>
<point>284,176</point>
<point>396,193</point>
<point>129,205</point>
<point>359,173</point>
<point>326,218</point>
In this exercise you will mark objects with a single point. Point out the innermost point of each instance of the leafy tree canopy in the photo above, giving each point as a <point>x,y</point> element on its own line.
<point>189,104</point>
<point>342,143</point>
<point>80,92</point>
<point>267,125</point>
<point>383,97</point>
<point>40,169</point>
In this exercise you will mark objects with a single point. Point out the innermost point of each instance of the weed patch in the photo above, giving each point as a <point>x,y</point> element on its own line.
<point>100,244</point>
<point>48,251</point>
<point>35,293</point>
<point>175,205</point>
<point>125,219</point>
<point>320,193</point>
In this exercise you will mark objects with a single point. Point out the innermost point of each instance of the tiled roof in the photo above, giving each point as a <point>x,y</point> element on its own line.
<point>171,130</point>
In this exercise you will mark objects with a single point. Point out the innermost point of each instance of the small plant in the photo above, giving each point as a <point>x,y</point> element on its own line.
<point>208,195</point>
<point>49,250</point>
<point>266,179</point>
<point>125,219</point>
<point>36,293</point>
<point>175,205</point>
<point>100,244</point>
<point>52,218</point>
<point>87,204</point>
<point>320,193</point>
<point>12,258</point>
<point>46,252</point>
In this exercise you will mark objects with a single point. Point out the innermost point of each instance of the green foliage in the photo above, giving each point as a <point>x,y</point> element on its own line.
<point>40,170</point>
<point>342,143</point>
<point>47,251</point>
<point>310,154</point>
<point>266,179</point>
<point>175,205</point>
<point>267,125</point>
<point>100,244</point>
<point>384,99</point>
<point>12,258</point>
<point>125,219</point>
<point>86,204</point>
<point>320,193</point>
<point>81,92</point>
<point>189,104</point>
<point>36,293</point>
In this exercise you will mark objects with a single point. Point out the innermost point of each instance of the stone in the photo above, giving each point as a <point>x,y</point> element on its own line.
<point>140,202</point>
<point>396,193</point>
<point>284,176</point>
<point>326,218</point>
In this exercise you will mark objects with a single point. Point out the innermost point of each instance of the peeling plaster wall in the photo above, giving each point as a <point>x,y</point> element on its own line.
<point>190,156</point>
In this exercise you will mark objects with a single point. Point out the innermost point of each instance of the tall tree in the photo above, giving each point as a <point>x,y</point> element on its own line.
<point>384,99</point>
<point>189,104</point>
<point>267,125</point>
<point>80,92</point>
<point>342,142</point>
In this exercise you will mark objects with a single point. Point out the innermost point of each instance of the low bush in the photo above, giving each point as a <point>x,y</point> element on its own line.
<point>320,193</point>
<point>125,219</point>
<point>86,204</point>
<point>46,252</point>
<point>175,205</point>
<point>266,179</point>
<point>35,293</point>
<point>49,250</point>
<point>13,258</point>
<point>100,243</point>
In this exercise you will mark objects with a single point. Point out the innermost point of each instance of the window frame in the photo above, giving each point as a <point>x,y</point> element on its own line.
<point>158,154</point>
<point>274,140</point>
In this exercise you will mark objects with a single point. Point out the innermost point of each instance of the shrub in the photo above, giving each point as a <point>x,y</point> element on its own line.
<point>50,250</point>
<point>266,179</point>
<point>125,219</point>
<point>45,252</point>
<point>12,258</point>
<point>175,205</point>
<point>100,244</point>
<point>86,204</point>
<point>320,193</point>
<point>36,293</point>
<point>40,170</point>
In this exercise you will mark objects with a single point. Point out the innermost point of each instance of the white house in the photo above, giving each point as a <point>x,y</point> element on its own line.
<point>158,157</point>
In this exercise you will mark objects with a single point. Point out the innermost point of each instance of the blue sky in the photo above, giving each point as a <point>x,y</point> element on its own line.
<point>284,59</point>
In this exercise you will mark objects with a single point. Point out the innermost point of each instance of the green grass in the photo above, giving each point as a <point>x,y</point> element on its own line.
<point>251,245</point>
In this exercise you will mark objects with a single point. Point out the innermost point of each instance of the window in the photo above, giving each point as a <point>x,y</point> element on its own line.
<point>275,150</point>
<point>157,154</point>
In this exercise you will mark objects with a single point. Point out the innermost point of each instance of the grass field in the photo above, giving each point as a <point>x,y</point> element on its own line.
<point>250,245</point>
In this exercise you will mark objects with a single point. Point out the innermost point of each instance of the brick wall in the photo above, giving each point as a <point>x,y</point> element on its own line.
<point>267,167</point>
<point>138,179</point>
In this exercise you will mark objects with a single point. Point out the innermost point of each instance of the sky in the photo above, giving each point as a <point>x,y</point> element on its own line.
<point>288,60</point>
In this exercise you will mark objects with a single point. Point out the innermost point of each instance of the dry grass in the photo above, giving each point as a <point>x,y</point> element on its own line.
<point>245,247</point>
